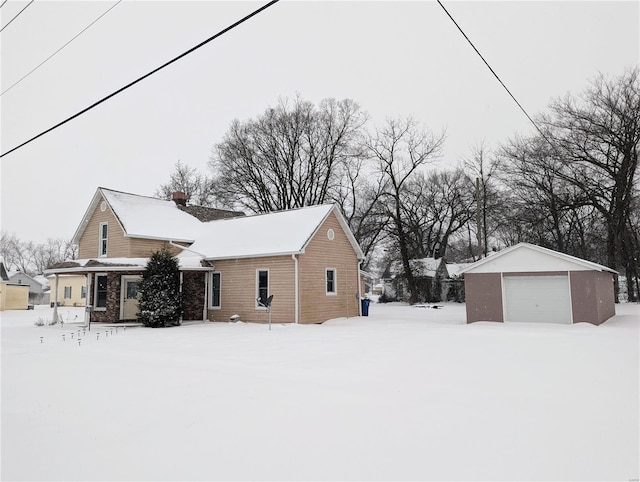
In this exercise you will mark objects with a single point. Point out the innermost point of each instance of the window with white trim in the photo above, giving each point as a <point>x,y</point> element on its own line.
<point>215,291</point>
<point>100,294</point>
<point>262,287</point>
<point>102,237</point>
<point>331,277</point>
<point>67,292</point>
<point>83,292</point>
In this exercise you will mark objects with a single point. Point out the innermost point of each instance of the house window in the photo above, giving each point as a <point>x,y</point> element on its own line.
<point>101,292</point>
<point>67,292</point>
<point>104,229</point>
<point>262,286</point>
<point>215,290</point>
<point>83,292</point>
<point>331,281</point>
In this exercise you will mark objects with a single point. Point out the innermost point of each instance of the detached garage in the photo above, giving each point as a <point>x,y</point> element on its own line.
<point>528,283</point>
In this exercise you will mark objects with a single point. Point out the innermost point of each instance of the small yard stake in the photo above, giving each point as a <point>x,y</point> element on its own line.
<point>79,339</point>
<point>72,336</point>
<point>97,336</point>
<point>63,337</point>
<point>40,340</point>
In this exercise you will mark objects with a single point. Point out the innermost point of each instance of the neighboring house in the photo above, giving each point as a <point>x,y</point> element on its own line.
<point>306,258</point>
<point>528,283</point>
<point>435,278</point>
<point>38,286</point>
<point>13,296</point>
<point>71,290</point>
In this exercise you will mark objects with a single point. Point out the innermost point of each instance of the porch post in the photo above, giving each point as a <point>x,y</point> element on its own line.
<point>87,304</point>
<point>55,299</point>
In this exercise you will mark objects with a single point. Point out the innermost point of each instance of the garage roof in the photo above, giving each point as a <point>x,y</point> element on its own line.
<point>530,258</point>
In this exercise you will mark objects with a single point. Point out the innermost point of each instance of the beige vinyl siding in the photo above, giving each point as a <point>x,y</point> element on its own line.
<point>238,289</point>
<point>117,244</point>
<point>144,248</point>
<point>321,254</point>
<point>75,282</point>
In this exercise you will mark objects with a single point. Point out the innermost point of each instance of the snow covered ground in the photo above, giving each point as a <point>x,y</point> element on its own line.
<point>404,394</point>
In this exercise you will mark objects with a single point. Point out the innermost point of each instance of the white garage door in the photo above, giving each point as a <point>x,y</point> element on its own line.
<point>537,299</point>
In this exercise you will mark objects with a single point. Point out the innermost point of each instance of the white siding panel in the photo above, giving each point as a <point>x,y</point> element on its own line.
<point>537,299</point>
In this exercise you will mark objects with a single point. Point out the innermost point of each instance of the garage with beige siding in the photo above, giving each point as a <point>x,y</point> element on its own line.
<point>531,284</point>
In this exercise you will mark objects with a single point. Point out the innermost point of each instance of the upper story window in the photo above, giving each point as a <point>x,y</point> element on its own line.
<point>331,281</point>
<point>102,239</point>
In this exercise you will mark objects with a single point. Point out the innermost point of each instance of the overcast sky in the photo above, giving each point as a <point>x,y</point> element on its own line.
<point>394,58</point>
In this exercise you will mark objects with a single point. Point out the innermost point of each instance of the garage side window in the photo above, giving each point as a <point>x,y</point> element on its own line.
<point>101,292</point>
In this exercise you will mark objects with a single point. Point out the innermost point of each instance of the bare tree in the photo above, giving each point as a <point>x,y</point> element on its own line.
<point>596,137</point>
<point>291,156</point>
<point>198,188</point>
<point>484,167</point>
<point>33,258</point>
<point>401,148</point>
<point>436,207</point>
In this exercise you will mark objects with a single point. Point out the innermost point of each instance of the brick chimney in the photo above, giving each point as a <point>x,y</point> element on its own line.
<point>179,198</point>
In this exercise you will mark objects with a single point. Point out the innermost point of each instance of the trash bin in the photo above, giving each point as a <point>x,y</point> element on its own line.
<point>365,306</point>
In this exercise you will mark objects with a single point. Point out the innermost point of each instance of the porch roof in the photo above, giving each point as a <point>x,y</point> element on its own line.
<point>93,265</point>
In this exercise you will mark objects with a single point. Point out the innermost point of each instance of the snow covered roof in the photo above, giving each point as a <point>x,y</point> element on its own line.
<point>272,234</point>
<point>144,217</point>
<point>454,269</point>
<point>525,257</point>
<point>186,262</point>
<point>420,267</point>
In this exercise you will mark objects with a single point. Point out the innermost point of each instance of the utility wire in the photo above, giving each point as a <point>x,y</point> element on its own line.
<point>166,64</point>
<point>53,54</point>
<point>25,7</point>
<point>2,5</point>
<point>493,72</point>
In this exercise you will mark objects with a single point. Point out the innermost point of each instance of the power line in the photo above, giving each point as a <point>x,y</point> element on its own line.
<point>166,64</point>
<point>53,54</point>
<point>493,72</point>
<point>2,5</point>
<point>25,7</point>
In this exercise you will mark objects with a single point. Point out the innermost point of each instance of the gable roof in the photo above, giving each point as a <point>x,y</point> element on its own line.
<point>272,234</point>
<point>525,257</point>
<point>144,217</point>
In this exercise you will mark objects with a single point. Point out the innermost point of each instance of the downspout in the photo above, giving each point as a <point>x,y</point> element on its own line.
<point>87,305</point>
<point>296,290</point>
<point>359,288</point>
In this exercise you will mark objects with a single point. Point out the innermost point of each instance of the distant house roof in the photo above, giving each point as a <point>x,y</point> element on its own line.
<point>271,234</point>
<point>420,267</point>
<point>152,218</point>
<point>525,257</point>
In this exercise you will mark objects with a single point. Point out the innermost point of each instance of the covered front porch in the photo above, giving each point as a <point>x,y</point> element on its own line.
<point>111,288</point>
